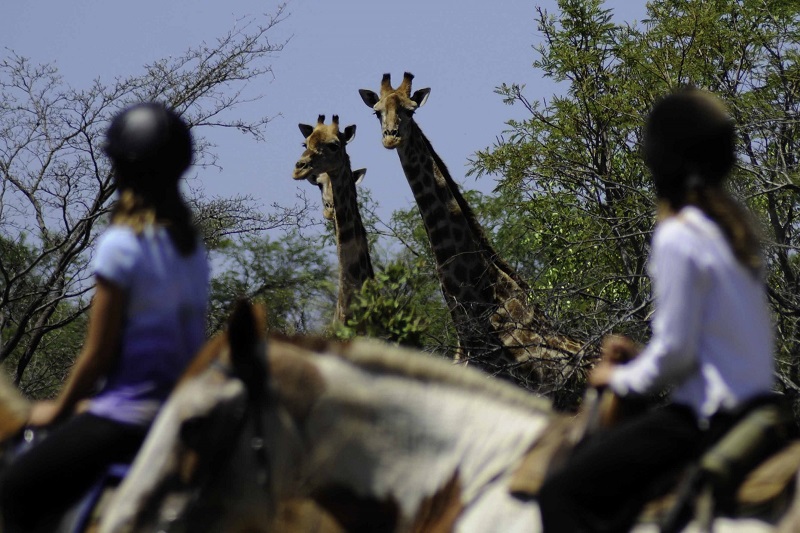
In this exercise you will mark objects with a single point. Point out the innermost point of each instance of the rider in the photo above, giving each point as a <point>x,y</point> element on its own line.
<point>712,336</point>
<point>146,322</point>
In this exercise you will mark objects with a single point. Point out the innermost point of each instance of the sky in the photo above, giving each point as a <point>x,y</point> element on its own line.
<point>461,49</point>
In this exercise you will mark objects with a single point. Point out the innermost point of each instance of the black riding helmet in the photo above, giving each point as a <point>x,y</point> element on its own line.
<point>149,145</point>
<point>688,142</point>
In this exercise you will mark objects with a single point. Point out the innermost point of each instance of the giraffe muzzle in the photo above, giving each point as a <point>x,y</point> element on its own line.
<point>301,170</point>
<point>391,140</point>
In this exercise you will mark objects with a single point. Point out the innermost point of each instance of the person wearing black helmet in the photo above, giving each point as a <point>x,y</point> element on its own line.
<point>712,338</point>
<point>147,320</point>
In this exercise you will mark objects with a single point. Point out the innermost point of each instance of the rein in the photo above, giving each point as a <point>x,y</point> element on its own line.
<point>256,399</point>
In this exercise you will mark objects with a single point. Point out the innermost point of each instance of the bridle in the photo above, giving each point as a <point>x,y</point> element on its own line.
<point>254,410</point>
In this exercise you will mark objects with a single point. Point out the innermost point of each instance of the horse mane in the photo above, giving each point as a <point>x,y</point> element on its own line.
<point>14,408</point>
<point>379,357</point>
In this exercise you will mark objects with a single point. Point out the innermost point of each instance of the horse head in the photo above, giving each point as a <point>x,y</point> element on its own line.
<point>198,428</point>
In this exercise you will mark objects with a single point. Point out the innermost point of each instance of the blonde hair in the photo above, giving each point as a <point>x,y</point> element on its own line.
<point>138,210</point>
<point>132,210</point>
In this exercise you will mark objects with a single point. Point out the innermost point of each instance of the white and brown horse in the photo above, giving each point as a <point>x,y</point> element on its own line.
<point>382,438</point>
<point>279,434</point>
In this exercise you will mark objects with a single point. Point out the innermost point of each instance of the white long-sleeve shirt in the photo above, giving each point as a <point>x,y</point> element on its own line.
<point>712,334</point>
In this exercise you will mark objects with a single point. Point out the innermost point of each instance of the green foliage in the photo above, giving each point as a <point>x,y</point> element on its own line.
<point>58,335</point>
<point>572,179</point>
<point>291,275</point>
<point>55,354</point>
<point>388,307</point>
<point>578,198</point>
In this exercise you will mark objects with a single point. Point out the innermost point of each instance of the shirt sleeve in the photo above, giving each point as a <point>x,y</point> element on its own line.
<point>116,257</point>
<point>679,283</point>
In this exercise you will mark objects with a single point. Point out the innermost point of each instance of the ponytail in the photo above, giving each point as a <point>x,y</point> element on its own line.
<point>138,210</point>
<point>735,223</point>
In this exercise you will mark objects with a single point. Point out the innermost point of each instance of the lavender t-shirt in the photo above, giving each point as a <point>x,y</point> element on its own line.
<point>164,320</point>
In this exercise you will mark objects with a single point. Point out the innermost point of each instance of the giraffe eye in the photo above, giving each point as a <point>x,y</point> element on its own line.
<point>305,145</point>
<point>332,146</point>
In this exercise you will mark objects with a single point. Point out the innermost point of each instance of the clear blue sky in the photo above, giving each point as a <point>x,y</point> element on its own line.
<point>461,49</point>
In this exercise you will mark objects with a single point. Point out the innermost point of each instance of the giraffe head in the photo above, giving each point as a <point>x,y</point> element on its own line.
<point>323,181</point>
<point>395,108</point>
<point>324,149</point>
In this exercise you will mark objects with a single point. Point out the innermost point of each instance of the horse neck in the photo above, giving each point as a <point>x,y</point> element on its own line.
<point>398,439</point>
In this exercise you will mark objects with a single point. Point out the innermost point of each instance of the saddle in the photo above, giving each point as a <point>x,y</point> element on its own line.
<point>748,472</point>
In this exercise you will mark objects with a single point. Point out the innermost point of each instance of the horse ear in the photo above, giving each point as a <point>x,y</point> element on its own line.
<point>421,96</point>
<point>369,97</point>
<point>358,175</point>
<point>349,133</point>
<point>246,328</point>
<point>242,327</point>
<point>306,130</point>
<point>260,318</point>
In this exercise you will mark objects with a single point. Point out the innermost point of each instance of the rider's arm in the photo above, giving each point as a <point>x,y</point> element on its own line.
<point>114,261</point>
<point>680,282</point>
<point>100,346</point>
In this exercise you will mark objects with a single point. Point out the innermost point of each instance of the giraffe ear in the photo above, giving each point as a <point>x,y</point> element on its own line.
<point>358,175</point>
<point>369,97</point>
<point>306,130</point>
<point>349,133</point>
<point>421,96</point>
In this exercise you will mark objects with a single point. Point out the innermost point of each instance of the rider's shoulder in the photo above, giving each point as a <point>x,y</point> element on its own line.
<point>118,236</point>
<point>688,228</point>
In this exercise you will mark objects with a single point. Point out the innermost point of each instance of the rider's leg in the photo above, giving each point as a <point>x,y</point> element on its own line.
<point>59,470</point>
<point>604,484</point>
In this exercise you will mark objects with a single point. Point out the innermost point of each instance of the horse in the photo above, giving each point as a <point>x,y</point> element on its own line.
<point>382,438</point>
<point>375,436</point>
<point>273,433</point>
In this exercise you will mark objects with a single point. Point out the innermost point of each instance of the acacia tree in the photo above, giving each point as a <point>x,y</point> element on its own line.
<point>56,187</point>
<point>581,201</point>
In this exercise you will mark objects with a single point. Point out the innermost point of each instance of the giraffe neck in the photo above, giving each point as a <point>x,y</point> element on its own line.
<point>464,255</point>
<point>486,297</point>
<point>355,265</point>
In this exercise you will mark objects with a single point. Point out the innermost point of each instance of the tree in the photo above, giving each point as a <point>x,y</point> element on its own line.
<point>291,275</point>
<point>56,186</point>
<point>579,199</point>
<point>392,305</point>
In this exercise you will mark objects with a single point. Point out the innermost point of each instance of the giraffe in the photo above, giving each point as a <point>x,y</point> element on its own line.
<point>497,326</point>
<point>323,182</point>
<point>325,163</point>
